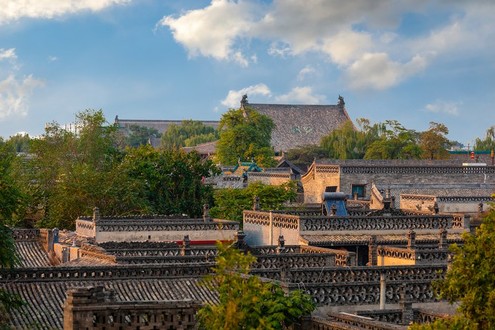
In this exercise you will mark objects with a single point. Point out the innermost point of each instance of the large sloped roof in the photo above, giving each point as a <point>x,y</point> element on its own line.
<point>298,125</point>
<point>44,300</point>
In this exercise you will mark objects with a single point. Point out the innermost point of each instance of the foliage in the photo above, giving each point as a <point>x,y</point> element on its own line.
<point>72,172</point>
<point>173,179</point>
<point>394,142</point>
<point>188,134</point>
<point>140,135</point>
<point>246,302</point>
<point>245,135</point>
<point>19,142</point>
<point>457,322</point>
<point>230,202</point>
<point>346,142</point>
<point>470,281</point>
<point>11,196</point>
<point>305,155</point>
<point>10,199</point>
<point>488,143</point>
<point>434,143</point>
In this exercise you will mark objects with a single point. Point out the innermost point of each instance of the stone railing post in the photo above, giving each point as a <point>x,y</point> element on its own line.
<point>186,246</point>
<point>372,251</point>
<point>406,306</point>
<point>467,221</point>
<point>411,240</point>
<point>383,290</point>
<point>442,242</point>
<point>96,214</point>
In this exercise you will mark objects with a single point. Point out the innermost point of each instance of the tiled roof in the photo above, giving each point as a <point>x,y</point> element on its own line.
<point>208,148</point>
<point>298,125</point>
<point>31,254</point>
<point>44,301</point>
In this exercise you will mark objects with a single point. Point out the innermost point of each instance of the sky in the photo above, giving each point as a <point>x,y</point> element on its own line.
<point>414,61</point>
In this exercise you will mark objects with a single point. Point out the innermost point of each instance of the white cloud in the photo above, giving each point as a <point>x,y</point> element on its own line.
<point>346,46</point>
<point>377,71</point>
<point>12,10</point>
<point>306,71</point>
<point>14,91</point>
<point>303,95</point>
<point>233,98</point>
<point>439,106</point>
<point>14,94</point>
<point>213,30</point>
<point>7,54</point>
<point>52,58</point>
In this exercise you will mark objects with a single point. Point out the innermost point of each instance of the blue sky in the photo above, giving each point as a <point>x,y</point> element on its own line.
<point>414,61</point>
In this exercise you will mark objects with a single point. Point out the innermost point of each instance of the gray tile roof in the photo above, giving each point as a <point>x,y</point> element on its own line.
<point>31,254</point>
<point>44,308</point>
<point>298,125</point>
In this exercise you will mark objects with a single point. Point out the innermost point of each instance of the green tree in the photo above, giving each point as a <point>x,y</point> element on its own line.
<point>434,142</point>
<point>347,142</point>
<point>173,179</point>
<point>245,134</point>
<point>488,143</point>
<point>20,142</point>
<point>470,281</point>
<point>72,172</point>
<point>230,202</point>
<point>394,142</point>
<point>140,135</point>
<point>10,200</point>
<point>246,302</point>
<point>188,134</point>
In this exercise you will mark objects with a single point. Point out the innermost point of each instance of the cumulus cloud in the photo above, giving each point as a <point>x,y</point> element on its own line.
<point>12,10</point>
<point>377,71</point>
<point>302,95</point>
<point>233,98</point>
<point>350,34</point>
<point>14,90</point>
<point>439,106</point>
<point>213,30</point>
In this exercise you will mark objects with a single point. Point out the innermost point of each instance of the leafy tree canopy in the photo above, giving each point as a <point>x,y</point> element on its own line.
<point>140,135</point>
<point>347,142</point>
<point>245,135</point>
<point>488,143</point>
<point>173,179</point>
<point>434,142</point>
<point>394,142</point>
<point>230,202</point>
<point>470,281</point>
<point>189,134</point>
<point>246,302</point>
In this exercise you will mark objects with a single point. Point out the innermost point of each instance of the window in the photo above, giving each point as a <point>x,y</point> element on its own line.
<point>331,189</point>
<point>359,190</point>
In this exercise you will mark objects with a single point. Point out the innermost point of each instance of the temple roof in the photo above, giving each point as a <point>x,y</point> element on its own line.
<point>298,125</point>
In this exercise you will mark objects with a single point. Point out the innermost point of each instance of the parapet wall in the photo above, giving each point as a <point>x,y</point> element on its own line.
<point>155,229</point>
<point>97,308</point>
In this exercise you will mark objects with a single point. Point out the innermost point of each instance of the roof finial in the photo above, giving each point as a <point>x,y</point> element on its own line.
<point>341,101</point>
